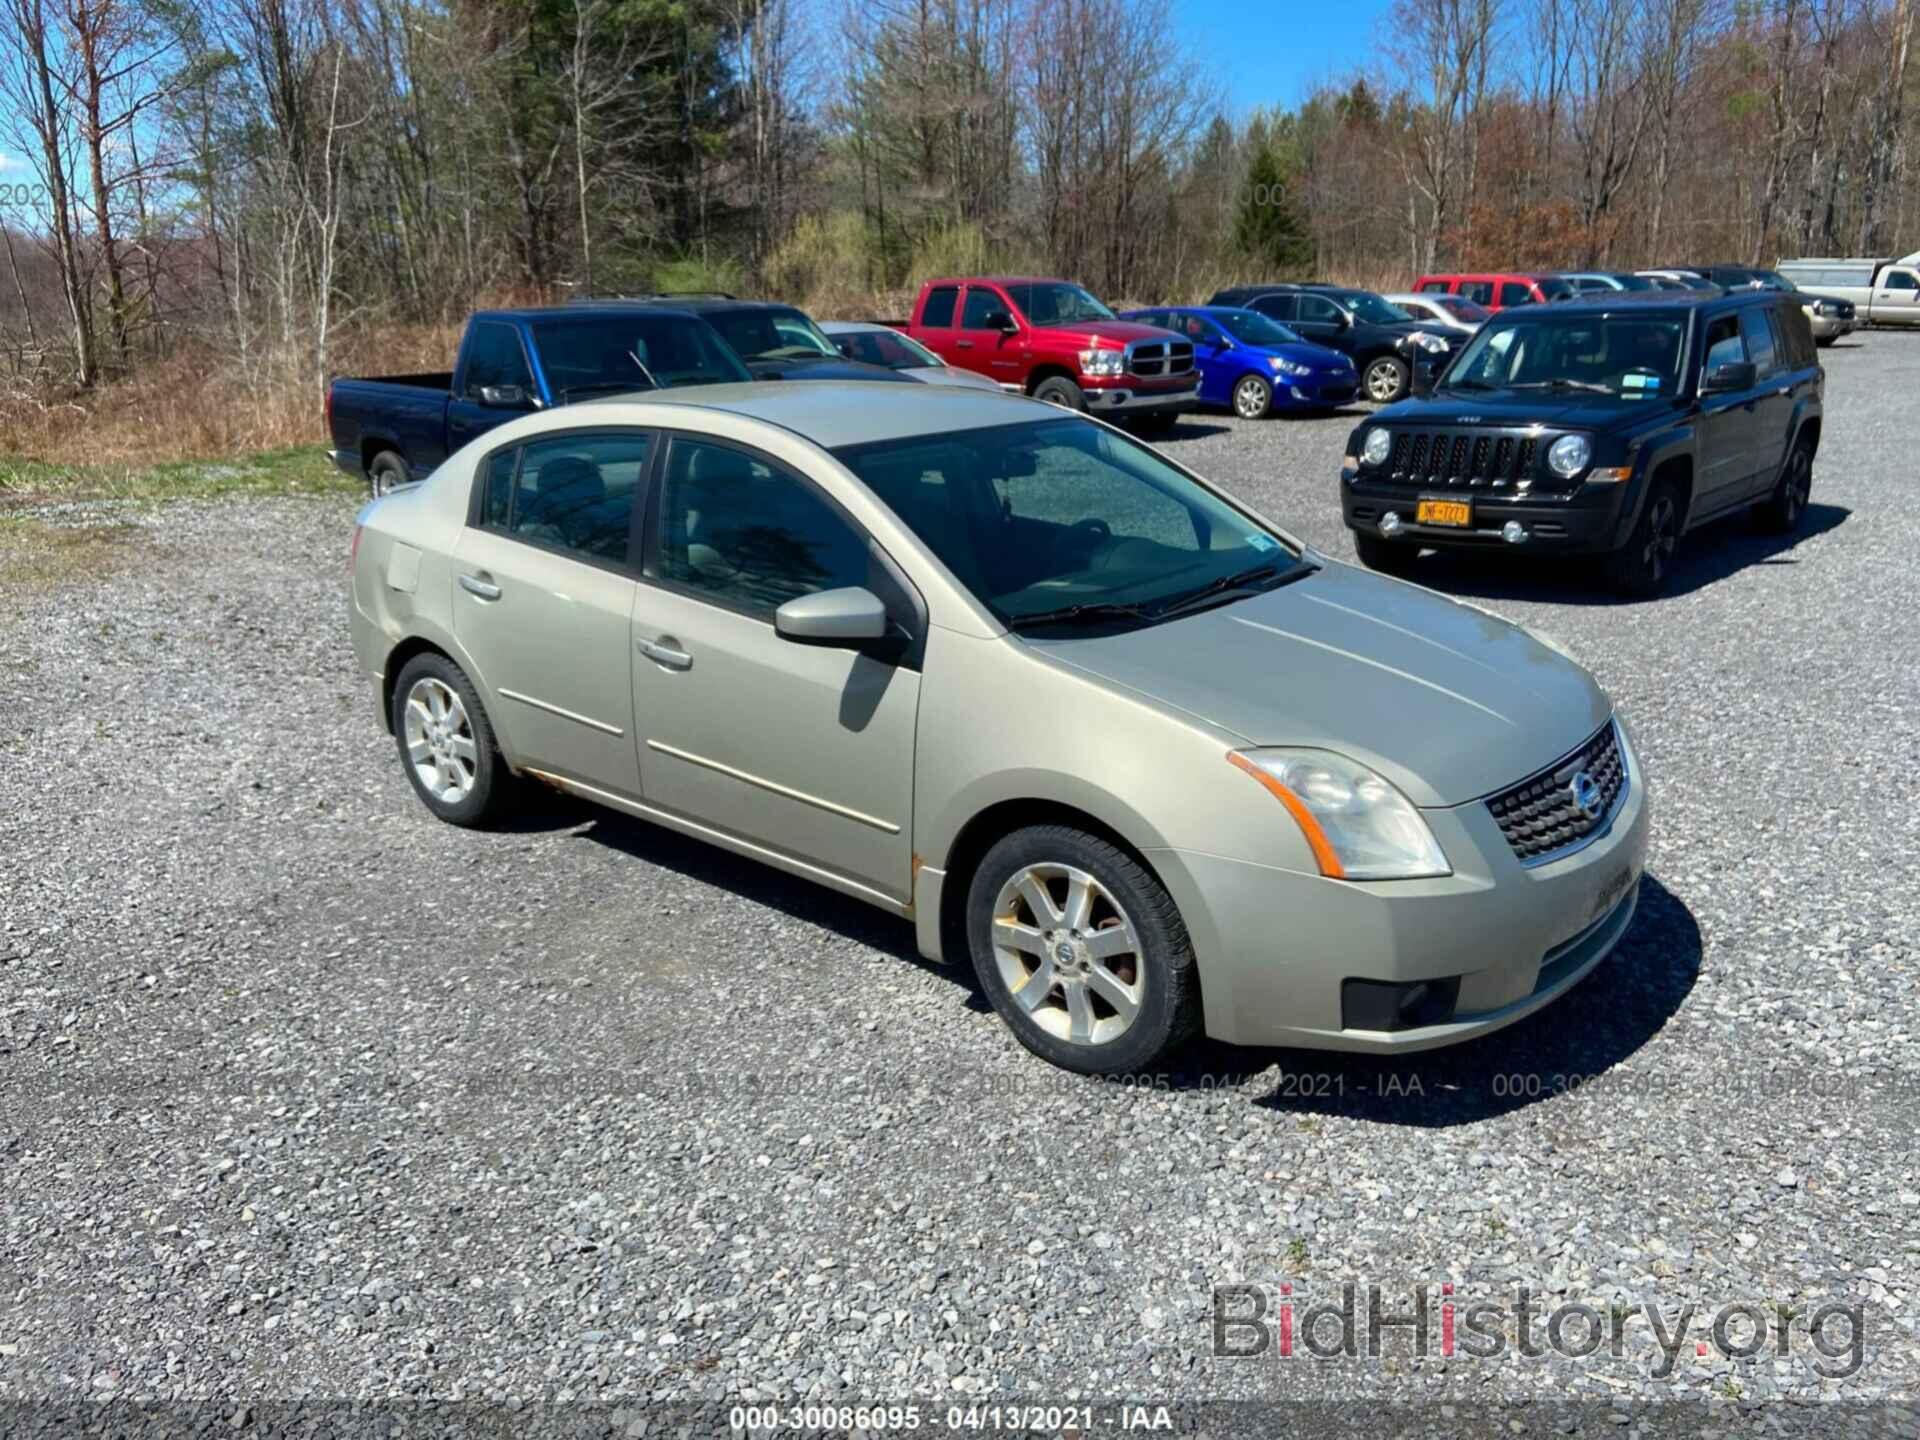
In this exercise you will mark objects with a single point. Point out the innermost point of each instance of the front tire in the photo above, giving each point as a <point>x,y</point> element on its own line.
<point>1781,512</point>
<point>1386,379</point>
<point>447,745</point>
<point>1058,390</point>
<point>1389,557</point>
<point>1082,951</point>
<point>1643,565</point>
<point>1252,397</point>
<point>385,473</point>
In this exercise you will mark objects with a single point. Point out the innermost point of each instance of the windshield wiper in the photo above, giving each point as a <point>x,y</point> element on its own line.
<point>608,385</point>
<point>1469,385</point>
<point>1560,382</point>
<point>1091,612</point>
<point>1245,580</point>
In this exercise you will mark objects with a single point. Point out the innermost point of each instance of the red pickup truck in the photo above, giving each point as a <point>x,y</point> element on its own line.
<point>1052,340</point>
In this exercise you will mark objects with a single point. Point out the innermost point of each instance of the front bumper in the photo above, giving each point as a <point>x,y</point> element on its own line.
<point>1326,389</point>
<point>1829,327</point>
<point>1134,398</point>
<point>1586,521</point>
<point>1276,947</point>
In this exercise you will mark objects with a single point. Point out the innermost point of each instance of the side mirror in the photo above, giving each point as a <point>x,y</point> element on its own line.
<point>851,617</point>
<point>1003,322</point>
<point>1734,375</point>
<point>503,397</point>
<point>845,347</point>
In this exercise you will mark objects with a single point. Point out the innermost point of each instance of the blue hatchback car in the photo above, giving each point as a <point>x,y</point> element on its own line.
<point>1255,365</point>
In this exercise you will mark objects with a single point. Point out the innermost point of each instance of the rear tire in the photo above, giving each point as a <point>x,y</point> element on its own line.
<point>1082,951</point>
<point>1781,512</point>
<point>1389,557</point>
<point>386,471</point>
<point>1644,564</point>
<point>1058,390</point>
<point>1386,379</point>
<point>447,745</point>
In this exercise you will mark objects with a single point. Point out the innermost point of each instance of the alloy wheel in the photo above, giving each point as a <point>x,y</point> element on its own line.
<point>1799,488</point>
<point>1068,954</point>
<point>440,742</point>
<point>1250,398</point>
<point>1383,381</point>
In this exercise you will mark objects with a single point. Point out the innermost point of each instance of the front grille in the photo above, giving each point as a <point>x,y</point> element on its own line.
<point>1482,459</point>
<point>1150,358</point>
<point>1540,816</point>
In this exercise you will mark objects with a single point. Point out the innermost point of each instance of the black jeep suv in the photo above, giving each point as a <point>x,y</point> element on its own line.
<point>1388,349</point>
<point>1605,426</point>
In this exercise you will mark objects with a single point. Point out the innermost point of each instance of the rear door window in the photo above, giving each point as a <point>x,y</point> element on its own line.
<point>1277,307</point>
<point>574,494</point>
<point>1478,291</point>
<point>1512,292</point>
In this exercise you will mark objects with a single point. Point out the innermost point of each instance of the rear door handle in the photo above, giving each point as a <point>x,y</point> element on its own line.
<point>665,654</point>
<point>480,585</point>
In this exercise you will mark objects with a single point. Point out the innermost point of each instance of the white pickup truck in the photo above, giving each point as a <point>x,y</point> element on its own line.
<point>1883,292</point>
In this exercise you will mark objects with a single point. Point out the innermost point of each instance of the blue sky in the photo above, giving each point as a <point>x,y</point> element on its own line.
<point>1272,53</point>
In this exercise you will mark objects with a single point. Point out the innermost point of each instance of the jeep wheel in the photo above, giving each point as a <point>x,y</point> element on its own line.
<point>1386,380</point>
<point>1782,511</point>
<point>1389,557</point>
<point>1643,565</point>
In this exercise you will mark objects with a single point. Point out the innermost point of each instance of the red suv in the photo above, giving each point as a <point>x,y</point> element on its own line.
<point>1498,289</point>
<point>1052,340</point>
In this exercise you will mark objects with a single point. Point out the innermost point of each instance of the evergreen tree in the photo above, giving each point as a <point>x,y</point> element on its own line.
<point>1270,227</point>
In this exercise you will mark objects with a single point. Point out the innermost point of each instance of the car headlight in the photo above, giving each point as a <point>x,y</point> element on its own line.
<point>1289,367</point>
<point>1102,362</point>
<point>1569,455</point>
<point>1357,825</point>
<point>1375,448</point>
<point>1432,344</point>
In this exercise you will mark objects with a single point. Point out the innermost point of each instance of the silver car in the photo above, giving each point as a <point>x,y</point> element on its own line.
<point>1144,759</point>
<point>879,344</point>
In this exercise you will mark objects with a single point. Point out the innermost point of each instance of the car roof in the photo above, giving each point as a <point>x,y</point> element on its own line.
<point>1600,302</point>
<point>856,327</point>
<point>1000,280</point>
<point>833,413</point>
<point>584,310</point>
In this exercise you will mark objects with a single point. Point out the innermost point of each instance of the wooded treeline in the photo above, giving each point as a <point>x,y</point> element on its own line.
<point>247,181</point>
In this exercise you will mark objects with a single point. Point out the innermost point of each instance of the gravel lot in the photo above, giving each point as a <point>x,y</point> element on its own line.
<point>305,1095</point>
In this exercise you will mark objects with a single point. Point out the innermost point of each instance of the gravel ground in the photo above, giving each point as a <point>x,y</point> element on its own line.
<point>308,1097</point>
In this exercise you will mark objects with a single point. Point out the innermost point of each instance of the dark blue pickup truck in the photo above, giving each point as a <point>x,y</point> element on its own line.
<point>396,428</point>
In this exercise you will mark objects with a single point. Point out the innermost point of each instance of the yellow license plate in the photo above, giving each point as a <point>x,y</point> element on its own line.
<point>1444,512</point>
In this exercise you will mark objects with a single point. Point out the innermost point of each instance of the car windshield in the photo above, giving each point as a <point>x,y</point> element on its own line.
<point>1554,288</point>
<point>1634,282</point>
<point>1058,523</point>
<point>775,333</point>
<point>1250,327</point>
<point>886,347</point>
<point>1633,357</point>
<point>1462,308</point>
<point>632,352</point>
<point>1054,302</point>
<point>1369,307</point>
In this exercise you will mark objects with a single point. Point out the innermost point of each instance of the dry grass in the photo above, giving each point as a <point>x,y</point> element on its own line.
<point>36,556</point>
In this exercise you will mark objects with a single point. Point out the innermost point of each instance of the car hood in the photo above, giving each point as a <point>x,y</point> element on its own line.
<point>1446,700</point>
<point>948,375</point>
<point>1318,356</point>
<point>1572,409</point>
<point>1114,332</point>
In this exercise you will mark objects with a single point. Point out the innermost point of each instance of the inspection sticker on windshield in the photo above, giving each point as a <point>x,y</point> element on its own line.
<point>1640,382</point>
<point>1263,542</point>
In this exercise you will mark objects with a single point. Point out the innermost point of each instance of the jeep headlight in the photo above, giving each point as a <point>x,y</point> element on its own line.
<point>1357,825</point>
<point>1569,455</point>
<point>1377,445</point>
<point>1288,367</point>
<point>1103,363</point>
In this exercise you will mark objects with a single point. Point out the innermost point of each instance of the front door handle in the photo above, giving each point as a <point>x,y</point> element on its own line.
<point>480,585</point>
<point>663,652</point>
<point>963,344</point>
